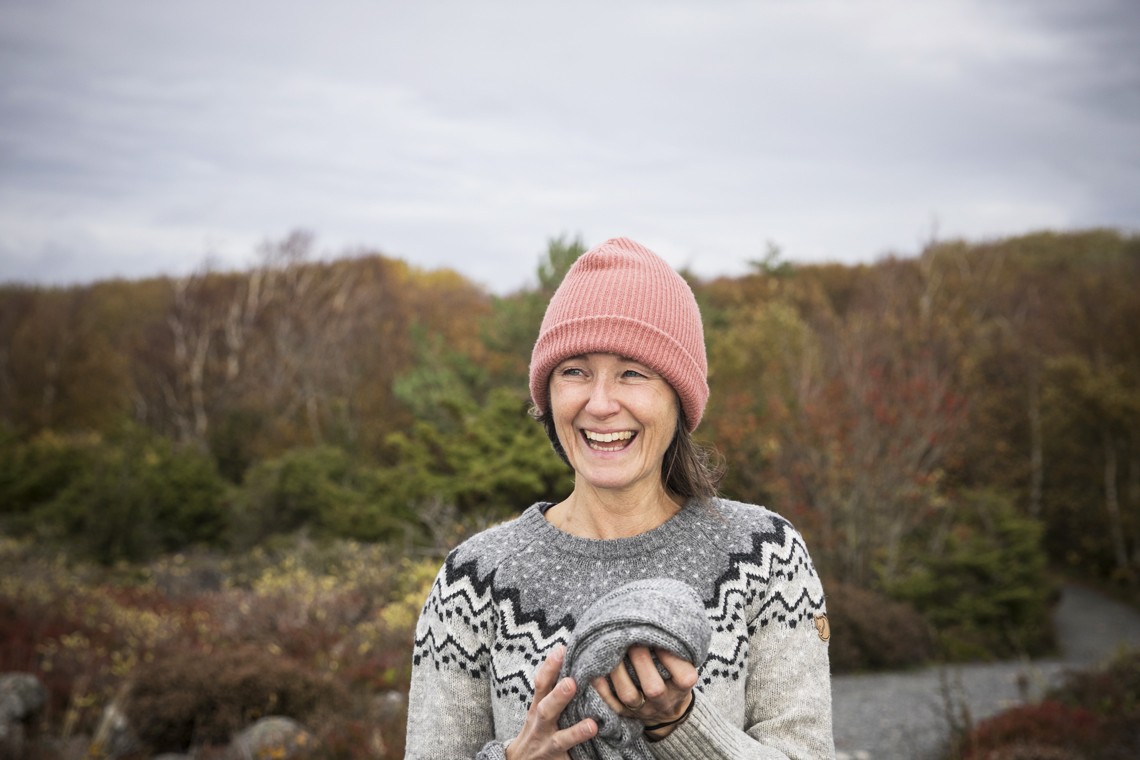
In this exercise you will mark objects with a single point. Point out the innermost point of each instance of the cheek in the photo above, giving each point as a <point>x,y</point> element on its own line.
<point>562,412</point>
<point>666,413</point>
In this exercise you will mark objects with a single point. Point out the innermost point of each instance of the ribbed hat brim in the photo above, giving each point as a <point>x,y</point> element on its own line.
<point>628,337</point>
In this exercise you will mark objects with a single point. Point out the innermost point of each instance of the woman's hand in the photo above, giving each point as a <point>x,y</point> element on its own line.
<point>659,700</point>
<point>540,737</point>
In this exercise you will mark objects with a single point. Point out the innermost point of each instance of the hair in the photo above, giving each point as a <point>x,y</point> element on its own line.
<point>689,469</point>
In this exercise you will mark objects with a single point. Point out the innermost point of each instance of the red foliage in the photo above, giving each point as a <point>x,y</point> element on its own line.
<point>1049,724</point>
<point>23,631</point>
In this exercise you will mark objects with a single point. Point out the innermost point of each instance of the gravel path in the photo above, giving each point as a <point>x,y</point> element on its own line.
<point>901,716</point>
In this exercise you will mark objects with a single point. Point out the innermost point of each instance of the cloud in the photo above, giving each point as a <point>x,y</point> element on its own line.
<point>137,138</point>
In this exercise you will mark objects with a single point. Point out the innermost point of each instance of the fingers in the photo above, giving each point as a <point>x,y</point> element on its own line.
<point>575,735</point>
<point>540,737</point>
<point>603,688</point>
<point>657,699</point>
<point>683,672</point>
<point>624,688</point>
<point>652,685</point>
<point>551,706</point>
<point>546,676</point>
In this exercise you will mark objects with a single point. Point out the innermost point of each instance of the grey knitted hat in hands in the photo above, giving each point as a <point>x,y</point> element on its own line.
<point>660,613</point>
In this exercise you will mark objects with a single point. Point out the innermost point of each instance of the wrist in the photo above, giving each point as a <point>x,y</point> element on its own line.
<point>659,731</point>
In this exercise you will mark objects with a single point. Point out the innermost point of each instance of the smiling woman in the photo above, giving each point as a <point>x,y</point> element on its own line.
<point>712,610</point>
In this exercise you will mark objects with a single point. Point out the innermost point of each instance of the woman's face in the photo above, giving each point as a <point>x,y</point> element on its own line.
<point>615,418</point>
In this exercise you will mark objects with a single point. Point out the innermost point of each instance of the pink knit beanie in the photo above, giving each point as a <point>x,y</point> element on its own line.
<point>622,298</point>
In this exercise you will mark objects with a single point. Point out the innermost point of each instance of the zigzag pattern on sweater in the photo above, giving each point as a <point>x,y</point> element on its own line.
<point>474,621</point>
<point>743,600</point>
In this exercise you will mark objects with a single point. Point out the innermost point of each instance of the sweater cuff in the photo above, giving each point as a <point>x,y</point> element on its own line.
<point>706,735</point>
<point>493,751</point>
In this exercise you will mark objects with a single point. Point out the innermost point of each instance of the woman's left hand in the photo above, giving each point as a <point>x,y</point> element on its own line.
<point>658,700</point>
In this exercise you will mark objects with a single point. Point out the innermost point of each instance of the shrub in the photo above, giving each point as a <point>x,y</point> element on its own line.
<point>80,639</point>
<point>137,497</point>
<point>303,487</point>
<point>1093,713</point>
<point>985,588</point>
<point>871,632</point>
<point>1032,752</point>
<point>1112,693</point>
<point>196,698</point>
<point>1049,724</point>
<point>34,472</point>
<point>492,458</point>
<point>125,497</point>
<point>333,615</point>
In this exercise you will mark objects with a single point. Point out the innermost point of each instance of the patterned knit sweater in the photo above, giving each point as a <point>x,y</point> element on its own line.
<point>506,597</point>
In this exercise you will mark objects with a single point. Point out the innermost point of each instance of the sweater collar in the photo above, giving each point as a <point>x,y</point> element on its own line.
<point>674,531</point>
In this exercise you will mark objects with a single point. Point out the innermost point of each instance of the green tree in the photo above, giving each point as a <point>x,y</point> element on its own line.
<point>1099,406</point>
<point>983,581</point>
<point>510,331</point>
<point>133,496</point>
<point>560,255</point>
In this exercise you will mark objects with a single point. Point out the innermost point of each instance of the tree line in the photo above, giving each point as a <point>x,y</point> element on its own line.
<point>932,424</point>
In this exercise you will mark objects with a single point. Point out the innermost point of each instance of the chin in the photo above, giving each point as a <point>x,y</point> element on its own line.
<point>610,481</point>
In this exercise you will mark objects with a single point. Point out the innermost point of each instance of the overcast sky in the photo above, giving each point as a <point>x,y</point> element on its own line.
<point>141,137</point>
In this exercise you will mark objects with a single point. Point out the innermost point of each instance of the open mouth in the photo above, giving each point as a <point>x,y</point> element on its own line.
<point>608,441</point>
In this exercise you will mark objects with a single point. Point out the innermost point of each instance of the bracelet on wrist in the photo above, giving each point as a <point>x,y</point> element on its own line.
<point>688,710</point>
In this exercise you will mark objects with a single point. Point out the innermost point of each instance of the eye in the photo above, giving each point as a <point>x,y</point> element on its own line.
<point>632,373</point>
<point>571,372</point>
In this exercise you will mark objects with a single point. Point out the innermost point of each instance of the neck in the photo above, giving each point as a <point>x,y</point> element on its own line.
<point>600,513</point>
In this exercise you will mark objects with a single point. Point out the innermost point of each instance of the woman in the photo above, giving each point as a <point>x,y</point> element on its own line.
<point>619,377</point>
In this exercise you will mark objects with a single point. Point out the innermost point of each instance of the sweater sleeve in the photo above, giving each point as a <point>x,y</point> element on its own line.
<point>788,691</point>
<point>449,704</point>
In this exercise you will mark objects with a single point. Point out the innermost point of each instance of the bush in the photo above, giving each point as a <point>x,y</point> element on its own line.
<point>130,496</point>
<point>33,473</point>
<point>483,462</point>
<point>330,612</point>
<point>321,489</point>
<point>492,458</point>
<point>304,487</point>
<point>139,497</point>
<point>985,589</point>
<point>1049,724</point>
<point>1112,693</point>
<point>198,698</point>
<point>1094,713</point>
<point>1032,752</point>
<point>871,632</point>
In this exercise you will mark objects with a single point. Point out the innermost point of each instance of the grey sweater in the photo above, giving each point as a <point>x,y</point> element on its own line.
<point>506,597</point>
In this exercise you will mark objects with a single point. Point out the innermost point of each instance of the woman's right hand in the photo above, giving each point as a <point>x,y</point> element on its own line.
<point>540,738</point>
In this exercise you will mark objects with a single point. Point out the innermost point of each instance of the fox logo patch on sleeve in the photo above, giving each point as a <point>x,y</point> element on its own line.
<point>822,626</point>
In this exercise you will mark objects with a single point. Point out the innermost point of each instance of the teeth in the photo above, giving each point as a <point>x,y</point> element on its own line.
<point>607,437</point>
<point>595,438</point>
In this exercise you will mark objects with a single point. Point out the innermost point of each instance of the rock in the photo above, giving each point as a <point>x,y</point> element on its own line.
<point>71,748</point>
<point>114,736</point>
<point>274,738</point>
<point>387,705</point>
<point>21,696</point>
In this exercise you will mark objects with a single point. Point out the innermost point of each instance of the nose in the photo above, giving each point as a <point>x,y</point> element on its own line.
<point>602,402</point>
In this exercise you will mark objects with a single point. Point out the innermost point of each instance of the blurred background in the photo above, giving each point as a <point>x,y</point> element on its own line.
<point>270,274</point>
